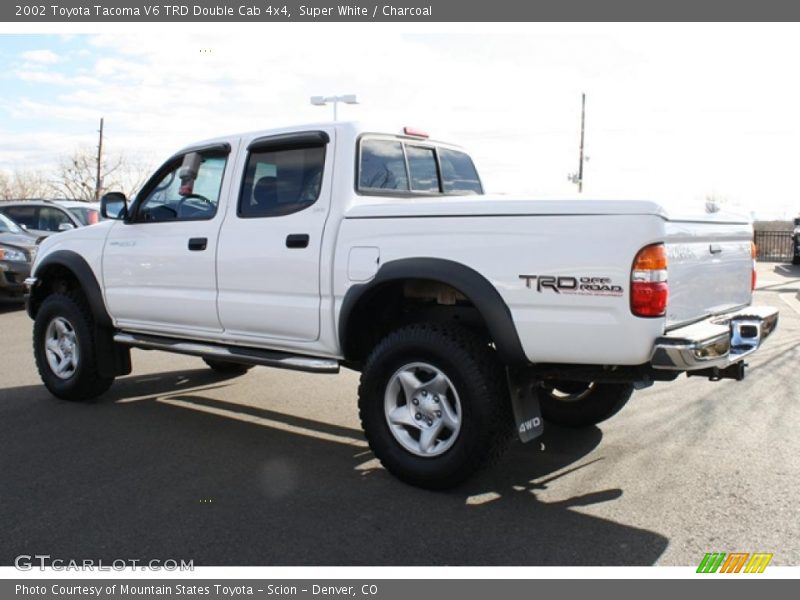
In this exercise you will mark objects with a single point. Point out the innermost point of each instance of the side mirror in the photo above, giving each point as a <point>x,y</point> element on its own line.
<point>65,226</point>
<point>114,205</point>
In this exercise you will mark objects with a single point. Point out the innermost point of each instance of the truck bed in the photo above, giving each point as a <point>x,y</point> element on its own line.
<point>506,239</point>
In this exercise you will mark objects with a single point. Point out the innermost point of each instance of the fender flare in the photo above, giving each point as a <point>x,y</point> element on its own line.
<point>483,295</point>
<point>77,265</point>
<point>112,359</point>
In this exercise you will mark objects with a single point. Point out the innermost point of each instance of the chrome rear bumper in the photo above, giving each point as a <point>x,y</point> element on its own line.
<point>716,342</point>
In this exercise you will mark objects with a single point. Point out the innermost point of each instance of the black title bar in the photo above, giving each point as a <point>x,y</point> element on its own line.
<point>238,11</point>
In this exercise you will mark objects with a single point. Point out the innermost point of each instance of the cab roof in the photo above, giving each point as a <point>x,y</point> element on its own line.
<point>351,129</point>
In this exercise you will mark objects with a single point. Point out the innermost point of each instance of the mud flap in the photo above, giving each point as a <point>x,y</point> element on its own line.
<point>525,402</point>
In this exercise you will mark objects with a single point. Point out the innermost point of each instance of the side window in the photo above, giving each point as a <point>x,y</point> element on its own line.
<point>170,200</point>
<point>280,182</point>
<point>51,219</point>
<point>458,173</point>
<point>397,166</point>
<point>383,166</point>
<point>24,215</point>
<point>422,167</point>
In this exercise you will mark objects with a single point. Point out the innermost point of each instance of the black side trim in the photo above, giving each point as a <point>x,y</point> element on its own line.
<point>288,141</point>
<point>469,282</point>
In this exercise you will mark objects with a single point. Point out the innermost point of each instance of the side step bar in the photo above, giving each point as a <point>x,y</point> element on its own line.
<point>250,356</point>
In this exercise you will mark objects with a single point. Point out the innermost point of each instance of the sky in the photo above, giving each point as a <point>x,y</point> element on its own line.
<point>674,113</point>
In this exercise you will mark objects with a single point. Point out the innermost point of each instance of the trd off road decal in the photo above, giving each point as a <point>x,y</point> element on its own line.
<point>582,286</point>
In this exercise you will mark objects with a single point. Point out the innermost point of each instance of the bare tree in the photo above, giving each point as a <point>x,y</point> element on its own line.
<point>76,177</point>
<point>131,177</point>
<point>23,184</point>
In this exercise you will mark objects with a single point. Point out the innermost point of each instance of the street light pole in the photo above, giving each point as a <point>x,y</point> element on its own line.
<point>323,100</point>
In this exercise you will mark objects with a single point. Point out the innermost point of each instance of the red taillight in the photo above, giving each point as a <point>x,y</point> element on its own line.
<point>649,299</point>
<point>649,288</point>
<point>754,254</point>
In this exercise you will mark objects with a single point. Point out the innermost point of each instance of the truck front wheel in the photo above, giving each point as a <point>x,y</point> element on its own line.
<point>580,404</point>
<point>434,405</point>
<point>64,348</point>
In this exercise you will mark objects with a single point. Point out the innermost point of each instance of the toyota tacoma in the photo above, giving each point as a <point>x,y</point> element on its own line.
<point>470,317</point>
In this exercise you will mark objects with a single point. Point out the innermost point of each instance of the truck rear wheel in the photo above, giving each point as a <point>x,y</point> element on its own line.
<point>64,348</point>
<point>232,368</point>
<point>434,405</point>
<point>580,404</point>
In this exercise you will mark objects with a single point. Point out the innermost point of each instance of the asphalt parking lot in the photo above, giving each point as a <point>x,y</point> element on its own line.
<point>271,469</point>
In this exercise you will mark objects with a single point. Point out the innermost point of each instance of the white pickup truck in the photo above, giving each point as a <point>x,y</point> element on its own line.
<point>469,316</point>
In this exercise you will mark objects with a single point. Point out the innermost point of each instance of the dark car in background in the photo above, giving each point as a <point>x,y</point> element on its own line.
<point>17,251</point>
<point>46,217</point>
<point>796,242</point>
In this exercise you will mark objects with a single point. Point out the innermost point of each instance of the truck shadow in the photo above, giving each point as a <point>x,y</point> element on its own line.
<point>161,471</point>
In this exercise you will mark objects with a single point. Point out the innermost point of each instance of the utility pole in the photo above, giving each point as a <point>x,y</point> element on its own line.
<point>98,181</point>
<point>583,126</point>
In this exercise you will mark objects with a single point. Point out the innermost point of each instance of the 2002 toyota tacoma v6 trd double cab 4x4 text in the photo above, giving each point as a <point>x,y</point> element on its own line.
<point>333,245</point>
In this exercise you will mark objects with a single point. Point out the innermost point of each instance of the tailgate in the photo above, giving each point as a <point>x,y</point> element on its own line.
<point>709,268</point>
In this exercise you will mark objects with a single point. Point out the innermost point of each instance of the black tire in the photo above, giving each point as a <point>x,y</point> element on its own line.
<point>796,260</point>
<point>231,368</point>
<point>84,383</point>
<point>476,376</point>
<point>577,404</point>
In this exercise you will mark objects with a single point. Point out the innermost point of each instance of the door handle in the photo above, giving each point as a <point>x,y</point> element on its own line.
<point>297,240</point>
<point>198,243</point>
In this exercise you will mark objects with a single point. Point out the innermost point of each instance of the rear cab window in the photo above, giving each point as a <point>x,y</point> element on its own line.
<point>383,166</point>
<point>422,169</point>
<point>458,173</point>
<point>396,166</point>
